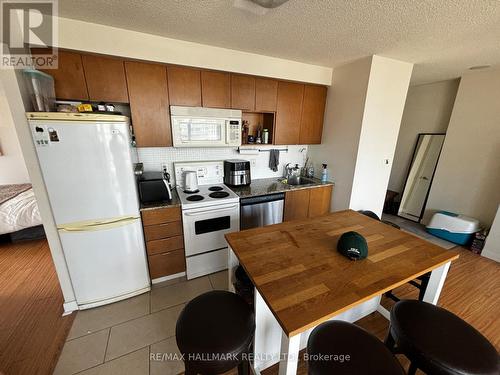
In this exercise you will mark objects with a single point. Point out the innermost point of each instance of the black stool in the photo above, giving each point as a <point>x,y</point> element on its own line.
<point>213,332</point>
<point>367,354</point>
<point>439,342</point>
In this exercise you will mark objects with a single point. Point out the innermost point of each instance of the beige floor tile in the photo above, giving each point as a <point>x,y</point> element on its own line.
<point>141,332</point>
<point>82,353</point>
<point>165,358</point>
<point>219,280</point>
<point>182,292</point>
<point>136,363</point>
<point>88,321</point>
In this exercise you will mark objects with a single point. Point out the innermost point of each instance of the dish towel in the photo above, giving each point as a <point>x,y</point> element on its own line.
<point>274,159</point>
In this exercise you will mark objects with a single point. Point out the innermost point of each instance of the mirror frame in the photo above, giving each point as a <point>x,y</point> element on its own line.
<point>415,149</point>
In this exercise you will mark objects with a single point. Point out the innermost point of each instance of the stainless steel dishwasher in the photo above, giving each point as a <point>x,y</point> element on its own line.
<point>261,210</point>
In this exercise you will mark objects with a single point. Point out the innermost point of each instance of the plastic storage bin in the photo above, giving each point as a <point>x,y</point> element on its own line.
<point>452,227</point>
<point>41,87</point>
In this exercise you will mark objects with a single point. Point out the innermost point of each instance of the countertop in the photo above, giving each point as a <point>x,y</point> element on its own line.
<point>175,202</point>
<point>265,186</point>
<point>258,187</point>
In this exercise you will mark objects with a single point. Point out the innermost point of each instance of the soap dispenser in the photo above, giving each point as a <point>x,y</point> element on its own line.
<point>324,174</point>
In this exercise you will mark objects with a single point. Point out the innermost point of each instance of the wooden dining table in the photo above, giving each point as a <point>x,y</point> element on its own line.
<point>301,280</point>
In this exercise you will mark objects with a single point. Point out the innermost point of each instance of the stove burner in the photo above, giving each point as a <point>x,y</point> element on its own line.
<point>219,194</point>
<point>215,188</point>
<point>193,198</point>
<point>191,192</point>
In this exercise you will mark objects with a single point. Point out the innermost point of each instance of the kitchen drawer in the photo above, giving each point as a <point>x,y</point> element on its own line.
<point>166,264</point>
<point>161,215</point>
<point>159,231</point>
<point>164,245</point>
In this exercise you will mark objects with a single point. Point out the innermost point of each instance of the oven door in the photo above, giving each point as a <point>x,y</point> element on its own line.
<point>199,131</point>
<point>204,227</point>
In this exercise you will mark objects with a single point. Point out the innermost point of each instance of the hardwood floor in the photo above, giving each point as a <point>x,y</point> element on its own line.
<point>471,291</point>
<point>32,330</point>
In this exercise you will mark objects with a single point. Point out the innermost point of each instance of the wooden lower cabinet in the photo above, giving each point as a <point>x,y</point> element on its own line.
<point>164,241</point>
<point>319,201</point>
<point>307,203</point>
<point>296,205</point>
<point>165,264</point>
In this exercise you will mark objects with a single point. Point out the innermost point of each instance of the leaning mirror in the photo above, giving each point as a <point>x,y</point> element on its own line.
<point>420,174</point>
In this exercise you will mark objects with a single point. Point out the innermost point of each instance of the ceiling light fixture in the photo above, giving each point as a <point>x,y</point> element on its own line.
<point>258,7</point>
<point>269,3</point>
<point>479,67</point>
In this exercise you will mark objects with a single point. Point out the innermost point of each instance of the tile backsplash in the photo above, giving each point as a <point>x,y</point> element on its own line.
<point>154,157</point>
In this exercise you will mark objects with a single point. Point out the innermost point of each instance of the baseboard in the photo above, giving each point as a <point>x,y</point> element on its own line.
<point>69,307</point>
<point>169,277</point>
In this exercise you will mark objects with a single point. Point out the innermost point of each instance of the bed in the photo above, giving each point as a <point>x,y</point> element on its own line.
<point>19,215</point>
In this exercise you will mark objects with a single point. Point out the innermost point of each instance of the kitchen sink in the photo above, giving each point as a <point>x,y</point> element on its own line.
<point>294,181</point>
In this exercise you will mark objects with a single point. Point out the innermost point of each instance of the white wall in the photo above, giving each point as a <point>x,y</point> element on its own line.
<point>154,157</point>
<point>12,167</point>
<point>427,110</point>
<point>342,127</point>
<point>385,99</point>
<point>363,114</point>
<point>467,178</point>
<point>18,102</point>
<point>85,36</point>
<point>492,246</point>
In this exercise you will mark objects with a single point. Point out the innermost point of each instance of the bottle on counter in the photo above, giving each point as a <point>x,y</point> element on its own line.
<point>324,174</point>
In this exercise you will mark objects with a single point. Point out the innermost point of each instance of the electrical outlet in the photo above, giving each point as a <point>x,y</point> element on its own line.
<point>253,162</point>
<point>163,167</point>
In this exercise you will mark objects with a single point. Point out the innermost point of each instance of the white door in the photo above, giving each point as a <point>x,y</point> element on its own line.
<point>87,168</point>
<point>106,263</point>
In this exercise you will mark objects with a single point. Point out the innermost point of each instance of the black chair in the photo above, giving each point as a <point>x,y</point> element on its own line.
<point>331,342</point>
<point>214,333</point>
<point>420,282</point>
<point>437,341</point>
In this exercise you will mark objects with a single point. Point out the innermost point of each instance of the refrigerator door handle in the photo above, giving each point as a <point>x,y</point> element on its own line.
<point>85,226</point>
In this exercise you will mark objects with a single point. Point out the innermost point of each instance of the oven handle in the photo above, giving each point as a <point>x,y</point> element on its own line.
<point>213,210</point>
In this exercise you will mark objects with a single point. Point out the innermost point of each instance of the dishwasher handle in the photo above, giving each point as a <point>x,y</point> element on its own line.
<point>262,199</point>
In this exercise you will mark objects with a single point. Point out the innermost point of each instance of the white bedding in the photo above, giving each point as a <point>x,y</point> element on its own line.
<point>19,213</point>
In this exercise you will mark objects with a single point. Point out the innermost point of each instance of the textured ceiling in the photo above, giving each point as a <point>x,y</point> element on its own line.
<point>442,37</point>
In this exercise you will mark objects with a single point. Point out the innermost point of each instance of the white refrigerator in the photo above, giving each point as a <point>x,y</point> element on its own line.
<point>86,163</point>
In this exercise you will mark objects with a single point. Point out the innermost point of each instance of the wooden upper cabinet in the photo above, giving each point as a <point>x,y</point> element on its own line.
<point>313,110</point>
<point>266,92</point>
<point>296,205</point>
<point>184,86</point>
<point>288,112</point>
<point>105,79</point>
<point>69,78</point>
<point>319,201</point>
<point>242,92</point>
<point>215,89</point>
<point>148,92</point>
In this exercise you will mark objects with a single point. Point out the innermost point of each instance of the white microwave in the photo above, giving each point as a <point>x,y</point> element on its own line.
<point>205,127</point>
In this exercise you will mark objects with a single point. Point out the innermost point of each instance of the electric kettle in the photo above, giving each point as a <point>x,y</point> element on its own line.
<point>190,182</point>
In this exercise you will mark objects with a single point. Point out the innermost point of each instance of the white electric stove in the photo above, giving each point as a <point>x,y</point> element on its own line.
<point>207,216</point>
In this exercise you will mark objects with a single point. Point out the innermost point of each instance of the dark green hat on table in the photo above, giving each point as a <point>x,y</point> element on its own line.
<point>353,245</point>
